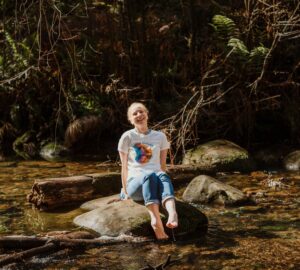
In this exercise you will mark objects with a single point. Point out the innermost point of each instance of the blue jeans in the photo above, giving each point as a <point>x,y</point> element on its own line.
<point>150,188</point>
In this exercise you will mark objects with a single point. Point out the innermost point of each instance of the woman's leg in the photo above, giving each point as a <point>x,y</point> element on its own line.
<point>156,222</point>
<point>168,199</point>
<point>152,200</point>
<point>145,187</point>
<point>171,208</point>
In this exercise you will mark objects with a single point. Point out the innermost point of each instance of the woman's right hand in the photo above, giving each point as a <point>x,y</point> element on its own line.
<point>124,195</point>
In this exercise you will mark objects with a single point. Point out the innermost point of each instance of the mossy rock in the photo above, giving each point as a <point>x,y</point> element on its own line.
<point>220,155</point>
<point>292,161</point>
<point>54,152</point>
<point>25,146</point>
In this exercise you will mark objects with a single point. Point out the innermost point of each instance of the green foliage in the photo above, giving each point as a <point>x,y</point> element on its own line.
<point>88,104</point>
<point>238,49</point>
<point>155,49</point>
<point>17,57</point>
<point>224,27</point>
<point>257,57</point>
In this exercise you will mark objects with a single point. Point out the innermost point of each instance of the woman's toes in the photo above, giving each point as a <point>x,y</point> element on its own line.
<point>172,221</point>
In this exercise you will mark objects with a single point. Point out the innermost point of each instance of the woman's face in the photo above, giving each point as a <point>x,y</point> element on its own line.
<point>138,116</point>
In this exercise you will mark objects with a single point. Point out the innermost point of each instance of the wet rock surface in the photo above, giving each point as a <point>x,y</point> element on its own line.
<point>206,189</point>
<point>222,155</point>
<point>112,217</point>
<point>292,161</point>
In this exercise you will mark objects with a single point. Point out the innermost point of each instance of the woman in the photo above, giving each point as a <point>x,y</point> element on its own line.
<point>143,154</point>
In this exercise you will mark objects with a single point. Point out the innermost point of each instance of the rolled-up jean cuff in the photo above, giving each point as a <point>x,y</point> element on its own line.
<point>167,198</point>
<point>152,202</point>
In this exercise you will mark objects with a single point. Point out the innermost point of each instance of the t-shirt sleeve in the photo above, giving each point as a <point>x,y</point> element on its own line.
<point>124,142</point>
<point>164,142</point>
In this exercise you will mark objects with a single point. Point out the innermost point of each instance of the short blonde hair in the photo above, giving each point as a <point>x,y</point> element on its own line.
<point>134,104</point>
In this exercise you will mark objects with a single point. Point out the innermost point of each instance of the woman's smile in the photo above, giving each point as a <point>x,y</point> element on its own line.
<point>139,116</point>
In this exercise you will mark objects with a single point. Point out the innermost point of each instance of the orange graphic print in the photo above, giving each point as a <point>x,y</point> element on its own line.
<point>143,152</point>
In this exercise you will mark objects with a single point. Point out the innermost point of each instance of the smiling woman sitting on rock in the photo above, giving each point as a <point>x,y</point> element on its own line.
<point>143,154</point>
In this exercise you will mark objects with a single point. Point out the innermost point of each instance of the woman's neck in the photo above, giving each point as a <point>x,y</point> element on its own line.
<point>142,129</point>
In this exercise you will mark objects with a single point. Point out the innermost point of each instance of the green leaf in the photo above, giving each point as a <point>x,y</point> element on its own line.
<point>224,27</point>
<point>257,57</point>
<point>238,49</point>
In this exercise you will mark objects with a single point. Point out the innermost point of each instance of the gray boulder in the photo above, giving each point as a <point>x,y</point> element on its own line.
<point>292,161</point>
<point>222,155</point>
<point>112,217</point>
<point>205,189</point>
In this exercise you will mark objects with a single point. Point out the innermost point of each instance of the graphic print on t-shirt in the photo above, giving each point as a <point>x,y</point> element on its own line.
<point>143,152</point>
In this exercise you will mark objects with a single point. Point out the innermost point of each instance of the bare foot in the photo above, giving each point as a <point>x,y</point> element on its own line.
<point>172,221</point>
<point>159,230</point>
<point>156,222</point>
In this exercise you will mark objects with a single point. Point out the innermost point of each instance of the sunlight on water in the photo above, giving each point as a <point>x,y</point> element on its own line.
<point>262,236</point>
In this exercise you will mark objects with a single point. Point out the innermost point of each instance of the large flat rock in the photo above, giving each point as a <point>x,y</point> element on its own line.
<point>112,218</point>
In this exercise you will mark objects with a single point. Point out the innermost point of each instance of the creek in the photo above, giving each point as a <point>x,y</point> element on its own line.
<point>264,236</point>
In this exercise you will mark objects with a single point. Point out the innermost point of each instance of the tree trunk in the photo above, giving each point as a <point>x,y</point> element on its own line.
<point>50,193</point>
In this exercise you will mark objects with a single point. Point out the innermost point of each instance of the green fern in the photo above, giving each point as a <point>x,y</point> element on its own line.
<point>239,50</point>
<point>224,27</point>
<point>16,55</point>
<point>257,57</point>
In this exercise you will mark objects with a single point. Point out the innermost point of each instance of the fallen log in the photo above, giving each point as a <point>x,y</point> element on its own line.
<point>51,193</point>
<point>26,242</point>
<point>21,242</point>
<point>7,242</point>
<point>53,244</point>
<point>16,257</point>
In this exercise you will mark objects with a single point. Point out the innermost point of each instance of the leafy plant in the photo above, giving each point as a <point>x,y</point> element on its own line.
<point>225,28</point>
<point>257,57</point>
<point>17,56</point>
<point>238,49</point>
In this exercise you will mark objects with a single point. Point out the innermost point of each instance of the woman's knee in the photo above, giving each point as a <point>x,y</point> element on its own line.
<point>164,178</point>
<point>152,177</point>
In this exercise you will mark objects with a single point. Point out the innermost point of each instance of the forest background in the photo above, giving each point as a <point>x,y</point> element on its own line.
<point>206,70</point>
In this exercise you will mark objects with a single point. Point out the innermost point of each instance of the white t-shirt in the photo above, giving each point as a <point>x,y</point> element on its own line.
<point>143,151</point>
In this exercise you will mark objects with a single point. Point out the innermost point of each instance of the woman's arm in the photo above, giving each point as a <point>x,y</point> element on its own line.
<point>163,159</point>
<point>124,170</point>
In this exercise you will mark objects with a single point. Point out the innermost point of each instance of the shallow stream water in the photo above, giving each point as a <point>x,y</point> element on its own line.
<point>264,236</point>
